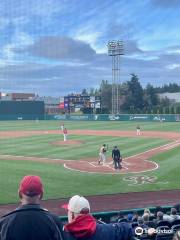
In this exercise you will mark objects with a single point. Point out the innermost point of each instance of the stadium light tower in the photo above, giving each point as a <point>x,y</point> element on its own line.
<point>115,50</point>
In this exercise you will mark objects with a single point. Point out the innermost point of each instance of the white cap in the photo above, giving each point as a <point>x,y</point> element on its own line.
<point>78,204</point>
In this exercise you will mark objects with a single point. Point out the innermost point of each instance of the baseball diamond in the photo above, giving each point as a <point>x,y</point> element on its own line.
<point>77,157</point>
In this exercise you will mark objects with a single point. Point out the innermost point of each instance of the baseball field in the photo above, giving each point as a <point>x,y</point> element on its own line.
<point>150,161</point>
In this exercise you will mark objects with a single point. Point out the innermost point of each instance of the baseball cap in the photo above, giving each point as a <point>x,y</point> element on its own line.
<point>78,204</point>
<point>31,186</point>
<point>129,216</point>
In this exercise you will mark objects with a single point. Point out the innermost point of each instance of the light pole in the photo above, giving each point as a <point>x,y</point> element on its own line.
<point>115,50</point>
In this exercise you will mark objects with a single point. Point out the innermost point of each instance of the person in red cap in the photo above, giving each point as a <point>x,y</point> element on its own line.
<point>30,221</point>
<point>82,225</point>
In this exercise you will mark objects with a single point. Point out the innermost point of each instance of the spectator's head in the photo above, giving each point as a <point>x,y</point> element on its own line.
<point>145,217</point>
<point>158,209</point>
<point>146,210</point>
<point>140,220</point>
<point>120,215</point>
<point>160,215</point>
<point>135,216</point>
<point>173,211</point>
<point>129,217</point>
<point>177,207</point>
<point>77,205</point>
<point>30,190</point>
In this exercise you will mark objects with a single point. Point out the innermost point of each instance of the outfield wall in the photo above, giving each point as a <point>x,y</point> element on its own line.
<point>21,110</point>
<point>121,117</point>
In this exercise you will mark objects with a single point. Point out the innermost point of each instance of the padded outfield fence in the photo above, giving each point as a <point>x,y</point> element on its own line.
<point>38,114</point>
<point>120,117</point>
<point>35,110</point>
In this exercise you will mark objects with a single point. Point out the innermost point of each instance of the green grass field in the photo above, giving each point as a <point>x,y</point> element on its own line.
<point>60,182</point>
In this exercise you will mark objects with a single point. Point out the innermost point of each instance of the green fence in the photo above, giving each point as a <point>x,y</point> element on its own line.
<point>121,117</point>
<point>113,215</point>
<point>21,110</point>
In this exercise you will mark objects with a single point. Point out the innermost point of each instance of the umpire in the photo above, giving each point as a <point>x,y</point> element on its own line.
<point>116,156</point>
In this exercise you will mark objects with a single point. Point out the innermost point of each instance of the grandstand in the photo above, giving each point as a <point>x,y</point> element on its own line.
<point>55,73</point>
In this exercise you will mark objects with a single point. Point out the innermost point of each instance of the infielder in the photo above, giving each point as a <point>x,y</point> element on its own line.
<point>62,126</point>
<point>138,130</point>
<point>102,154</point>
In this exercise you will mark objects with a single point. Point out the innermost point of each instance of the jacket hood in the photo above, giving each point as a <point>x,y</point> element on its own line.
<point>82,226</point>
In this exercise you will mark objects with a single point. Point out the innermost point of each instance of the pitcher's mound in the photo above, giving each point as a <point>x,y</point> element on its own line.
<point>69,142</point>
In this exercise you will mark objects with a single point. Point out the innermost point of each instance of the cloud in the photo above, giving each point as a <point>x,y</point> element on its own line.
<point>56,47</point>
<point>60,48</point>
<point>49,80</point>
<point>166,3</point>
<point>131,47</point>
<point>61,79</point>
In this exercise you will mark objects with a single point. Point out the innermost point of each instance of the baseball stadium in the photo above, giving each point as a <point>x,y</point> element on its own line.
<point>150,161</point>
<point>89,112</point>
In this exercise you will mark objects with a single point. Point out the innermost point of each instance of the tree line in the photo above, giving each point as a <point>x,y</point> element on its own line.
<point>135,99</point>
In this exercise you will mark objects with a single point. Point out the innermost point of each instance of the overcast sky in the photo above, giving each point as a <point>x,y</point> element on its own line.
<point>55,47</point>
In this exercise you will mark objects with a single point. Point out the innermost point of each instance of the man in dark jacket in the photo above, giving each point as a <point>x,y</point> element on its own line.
<point>30,220</point>
<point>82,225</point>
<point>116,156</point>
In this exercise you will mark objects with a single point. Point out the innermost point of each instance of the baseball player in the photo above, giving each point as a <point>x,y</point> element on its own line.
<point>102,154</point>
<point>138,130</point>
<point>62,126</point>
<point>65,134</point>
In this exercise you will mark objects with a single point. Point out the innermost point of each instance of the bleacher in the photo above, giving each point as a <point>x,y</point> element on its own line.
<point>164,229</point>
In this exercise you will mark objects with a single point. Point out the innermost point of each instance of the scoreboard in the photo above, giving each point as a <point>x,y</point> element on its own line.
<point>72,102</point>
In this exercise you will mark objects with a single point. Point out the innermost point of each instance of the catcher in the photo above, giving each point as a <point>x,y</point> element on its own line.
<point>102,154</point>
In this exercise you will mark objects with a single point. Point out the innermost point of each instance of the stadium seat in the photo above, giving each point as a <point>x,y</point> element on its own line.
<point>164,223</point>
<point>122,220</point>
<point>168,236</point>
<point>163,228</point>
<point>175,222</point>
<point>151,224</point>
<point>146,237</point>
<point>175,227</point>
<point>151,218</point>
<point>134,224</point>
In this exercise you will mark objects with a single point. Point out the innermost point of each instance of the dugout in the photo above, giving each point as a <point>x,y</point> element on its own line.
<point>22,110</point>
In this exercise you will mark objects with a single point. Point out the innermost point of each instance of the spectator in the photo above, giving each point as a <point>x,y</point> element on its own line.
<point>30,221</point>
<point>141,223</point>
<point>158,209</point>
<point>135,216</point>
<point>129,217</point>
<point>177,235</point>
<point>146,210</point>
<point>145,218</point>
<point>160,216</point>
<point>82,225</point>
<point>120,216</point>
<point>173,214</point>
<point>177,207</point>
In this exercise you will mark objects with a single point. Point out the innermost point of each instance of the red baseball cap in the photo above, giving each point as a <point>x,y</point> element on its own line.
<point>31,186</point>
